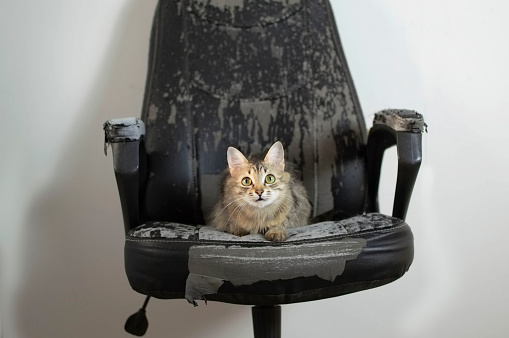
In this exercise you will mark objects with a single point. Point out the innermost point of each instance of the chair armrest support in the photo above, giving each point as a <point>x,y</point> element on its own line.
<point>125,136</point>
<point>402,128</point>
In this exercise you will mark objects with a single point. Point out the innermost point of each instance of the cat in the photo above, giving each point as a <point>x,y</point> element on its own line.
<point>258,196</point>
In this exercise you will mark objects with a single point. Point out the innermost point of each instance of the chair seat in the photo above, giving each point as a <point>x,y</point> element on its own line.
<point>322,260</point>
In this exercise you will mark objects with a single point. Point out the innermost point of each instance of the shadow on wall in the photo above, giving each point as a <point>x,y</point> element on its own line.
<point>73,280</point>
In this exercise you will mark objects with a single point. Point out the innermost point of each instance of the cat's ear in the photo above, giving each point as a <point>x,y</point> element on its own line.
<point>236,160</point>
<point>276,156</point>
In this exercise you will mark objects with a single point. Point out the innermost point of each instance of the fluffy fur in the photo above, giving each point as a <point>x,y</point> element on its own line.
<point>259,196</point>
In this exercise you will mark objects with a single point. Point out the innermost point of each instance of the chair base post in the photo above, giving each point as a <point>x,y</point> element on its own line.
<point>267,321</point>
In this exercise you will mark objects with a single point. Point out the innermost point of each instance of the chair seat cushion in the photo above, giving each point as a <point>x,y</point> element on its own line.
<point>322,260</point>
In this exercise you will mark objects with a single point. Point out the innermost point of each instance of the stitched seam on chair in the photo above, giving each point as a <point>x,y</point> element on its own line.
<point>340,52</point>
<point>230,243</point>
<point>260,24</point>
<point>279,294</point>
<point>190,118</point>
<point>152,62</point>
<point>312,290</point>
<point>271,96</point>
<point>315,194</point>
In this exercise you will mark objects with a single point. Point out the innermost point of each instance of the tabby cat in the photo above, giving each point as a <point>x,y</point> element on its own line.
<point>259,196</point>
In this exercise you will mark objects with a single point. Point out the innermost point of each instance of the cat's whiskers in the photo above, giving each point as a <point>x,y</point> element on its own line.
<point>237,207</point>
<point>240,212</point>
<point>235,200</point>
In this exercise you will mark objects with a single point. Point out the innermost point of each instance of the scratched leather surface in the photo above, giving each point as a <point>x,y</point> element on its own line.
<point>245,74</point>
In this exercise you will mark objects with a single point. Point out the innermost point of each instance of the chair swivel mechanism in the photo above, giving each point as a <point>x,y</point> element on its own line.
<point>247,74</point>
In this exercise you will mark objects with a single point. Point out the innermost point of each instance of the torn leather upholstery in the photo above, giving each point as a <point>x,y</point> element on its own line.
<point>318,261</point>
<point>401,120</point>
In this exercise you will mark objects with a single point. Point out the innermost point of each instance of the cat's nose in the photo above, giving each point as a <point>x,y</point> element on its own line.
<point>259,192</point>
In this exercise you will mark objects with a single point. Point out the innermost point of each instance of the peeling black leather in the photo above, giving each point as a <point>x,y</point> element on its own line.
<point>245,74</point>
<point>247,80</point>
<point>158,266</point>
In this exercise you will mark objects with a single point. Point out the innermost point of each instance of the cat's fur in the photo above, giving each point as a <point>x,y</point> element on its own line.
<point>251,203</point>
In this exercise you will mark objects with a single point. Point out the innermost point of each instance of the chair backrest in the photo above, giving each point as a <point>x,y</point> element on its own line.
<point>247,73</point>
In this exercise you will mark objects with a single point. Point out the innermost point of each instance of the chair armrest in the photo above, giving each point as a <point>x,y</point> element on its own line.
<point>404,129</point>
<point>125,136</point>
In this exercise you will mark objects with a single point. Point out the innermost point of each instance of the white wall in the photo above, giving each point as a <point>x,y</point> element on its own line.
<point>67,66</point>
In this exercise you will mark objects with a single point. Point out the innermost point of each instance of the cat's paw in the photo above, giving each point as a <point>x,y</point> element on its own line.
<point>275,235</point>
<point>239,232</point>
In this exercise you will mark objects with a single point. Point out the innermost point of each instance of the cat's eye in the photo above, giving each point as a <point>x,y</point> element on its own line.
<point>269,179</point>
<point>246,181</point>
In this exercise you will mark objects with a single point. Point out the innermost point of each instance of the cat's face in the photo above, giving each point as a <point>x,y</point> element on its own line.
<point>259,183</point>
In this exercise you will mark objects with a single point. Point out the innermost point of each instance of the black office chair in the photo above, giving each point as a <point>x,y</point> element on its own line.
<point>246,76</point>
